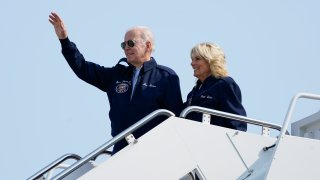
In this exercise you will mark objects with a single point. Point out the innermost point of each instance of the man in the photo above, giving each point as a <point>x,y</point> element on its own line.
<point>133,90</point>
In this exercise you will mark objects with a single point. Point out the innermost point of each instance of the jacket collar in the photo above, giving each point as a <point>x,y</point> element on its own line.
<point>209,80</point>
<point>148,65</point>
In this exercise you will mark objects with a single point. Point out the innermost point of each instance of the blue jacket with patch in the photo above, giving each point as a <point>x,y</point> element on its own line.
<point>157,87</point>
<point>219,94</point>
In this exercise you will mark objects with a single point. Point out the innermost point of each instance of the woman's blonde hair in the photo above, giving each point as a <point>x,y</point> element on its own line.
<point>215,57</point>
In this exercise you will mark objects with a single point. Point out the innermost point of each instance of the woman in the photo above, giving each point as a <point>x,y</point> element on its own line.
<point>214,89</point>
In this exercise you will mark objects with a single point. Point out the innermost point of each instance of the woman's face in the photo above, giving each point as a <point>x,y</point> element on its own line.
<point>201,68</point>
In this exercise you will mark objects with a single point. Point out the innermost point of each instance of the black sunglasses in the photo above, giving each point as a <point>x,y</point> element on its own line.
<point>130,43</point>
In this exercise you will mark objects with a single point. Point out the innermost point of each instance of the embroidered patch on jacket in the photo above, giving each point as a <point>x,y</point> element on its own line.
<point>150,85</point>
<point>206,97</point>
<point>122,88</point>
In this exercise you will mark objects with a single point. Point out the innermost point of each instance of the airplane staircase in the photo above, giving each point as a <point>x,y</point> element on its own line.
<point>183,149</point>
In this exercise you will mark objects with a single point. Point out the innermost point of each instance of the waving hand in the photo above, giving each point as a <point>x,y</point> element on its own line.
<point>58,25</point>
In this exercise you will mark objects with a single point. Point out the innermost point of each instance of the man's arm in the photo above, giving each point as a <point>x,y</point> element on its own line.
<point>89,72</point>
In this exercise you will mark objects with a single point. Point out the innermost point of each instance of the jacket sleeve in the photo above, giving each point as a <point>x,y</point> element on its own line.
<point>173,99</point>
<point>230,101</point>
<point>89,72</point>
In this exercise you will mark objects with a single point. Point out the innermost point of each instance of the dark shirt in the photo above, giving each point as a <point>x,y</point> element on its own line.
<point>219,94</point>
<point>157,87</point>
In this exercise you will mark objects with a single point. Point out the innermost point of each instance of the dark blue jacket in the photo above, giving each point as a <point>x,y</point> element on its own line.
<point>157,87</point>
<point>219,94</point>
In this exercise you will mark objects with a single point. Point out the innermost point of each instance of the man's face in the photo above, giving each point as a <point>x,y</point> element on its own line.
<point>137,54</point>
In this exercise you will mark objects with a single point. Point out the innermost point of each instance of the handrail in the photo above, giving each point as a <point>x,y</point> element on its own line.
<point>53,165</point>
<point>189,109</point>
<point>286,123</point>
<point>291,107</point>
<point>112,141</point>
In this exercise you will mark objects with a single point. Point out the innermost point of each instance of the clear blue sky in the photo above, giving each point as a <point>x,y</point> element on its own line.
<point>272,49</point>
